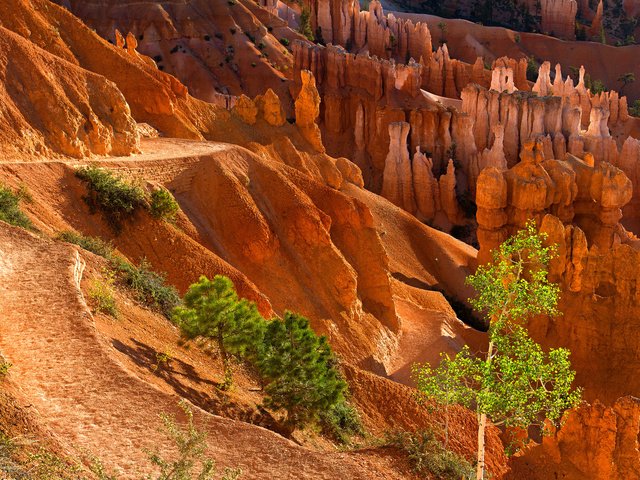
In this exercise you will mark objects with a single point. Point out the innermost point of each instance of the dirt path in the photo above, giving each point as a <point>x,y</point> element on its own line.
<point>69,374</point>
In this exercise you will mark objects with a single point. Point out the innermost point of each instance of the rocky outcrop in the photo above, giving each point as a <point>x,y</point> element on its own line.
<point>271,108</point>
<point>573,191</point>
<point>362,95</point>
<point>212,46</point>
<point>246,109</point>
<point>558,18</point>
<point>308,109</point>
<point>595,441</point>
<point>578,204</point>
<point>89,114</point>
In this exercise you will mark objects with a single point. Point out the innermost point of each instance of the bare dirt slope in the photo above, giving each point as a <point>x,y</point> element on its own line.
<point>69,374</point>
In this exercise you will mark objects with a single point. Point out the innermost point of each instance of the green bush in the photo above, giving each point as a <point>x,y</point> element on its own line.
<point>10,208</point>
<point>532,69</point>
<point>341,421</point>
<point>4,367</point>
<point>149,287</point>
<point>111,194</point>
<point>296,367</point>
<point>163,205</point>
<point>305,24</point>
<point>427,455</point>
<point>101,294</point>
<point>285,42</point>
<point>92,244</point>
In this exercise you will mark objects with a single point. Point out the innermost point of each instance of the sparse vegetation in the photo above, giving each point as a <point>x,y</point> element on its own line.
<point>163,205</point>
<point>341,421</point>
<point>10,208</point>
<point>191,462</point>
<point>427,455</point>
<point>111,194</point>
<point>191,445</point>
<point>101,294</point>
<point>626,79</point>
<point>515,383</point>
<point>285,42</point>
<point>149,287</point>
<point>4,367</point>
<point>532,69</point>
<point>92,244</point>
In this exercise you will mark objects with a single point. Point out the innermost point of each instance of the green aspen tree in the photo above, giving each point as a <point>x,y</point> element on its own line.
<point>515,383</point>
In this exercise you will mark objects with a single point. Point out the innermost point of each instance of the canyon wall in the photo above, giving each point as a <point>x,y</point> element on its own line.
<point>212,46</point>
<point>579,206</point>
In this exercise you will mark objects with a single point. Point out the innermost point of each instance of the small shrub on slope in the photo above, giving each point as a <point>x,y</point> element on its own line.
<point>341,421</point>
<point>10,209</point>
<point>101,294</point>
<point>163,205</point>
<point>191,462</point>
<point>427,455</point>
<point>150,288</point>
<point>92,244</point>
<point>114,196</point>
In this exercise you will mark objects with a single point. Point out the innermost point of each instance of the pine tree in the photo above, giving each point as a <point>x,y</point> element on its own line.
<point>300,370</point>
<point>515,383</point>
<point>212,310</point>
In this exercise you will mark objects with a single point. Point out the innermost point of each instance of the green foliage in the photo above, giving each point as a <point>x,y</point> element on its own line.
<point>515,383</point>
<point>300,369</point>
<point>114,196</point>
<point>191,445</point>
<point>4,367</point>
<point>92,244</point>
<point>305,24</point>
<point>163,205</point>
<point>285,42</point>
<point>520,387</point>
<point>427,455</point>
<point>532,69</point>
<point>635,109</point>
<point>10,208</point>
<point>150,288</point>
<point>626,79</point>
<point>341,421</point>
<point>191,462</point>
<point>296,366</point>
<point>213,311</point>
<point>101,294</point>
<point>515,285</point>
<point>45,465</point>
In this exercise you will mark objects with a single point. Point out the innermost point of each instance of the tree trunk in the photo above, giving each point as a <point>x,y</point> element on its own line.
<point>482,423</point>
<point>228,379</point>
